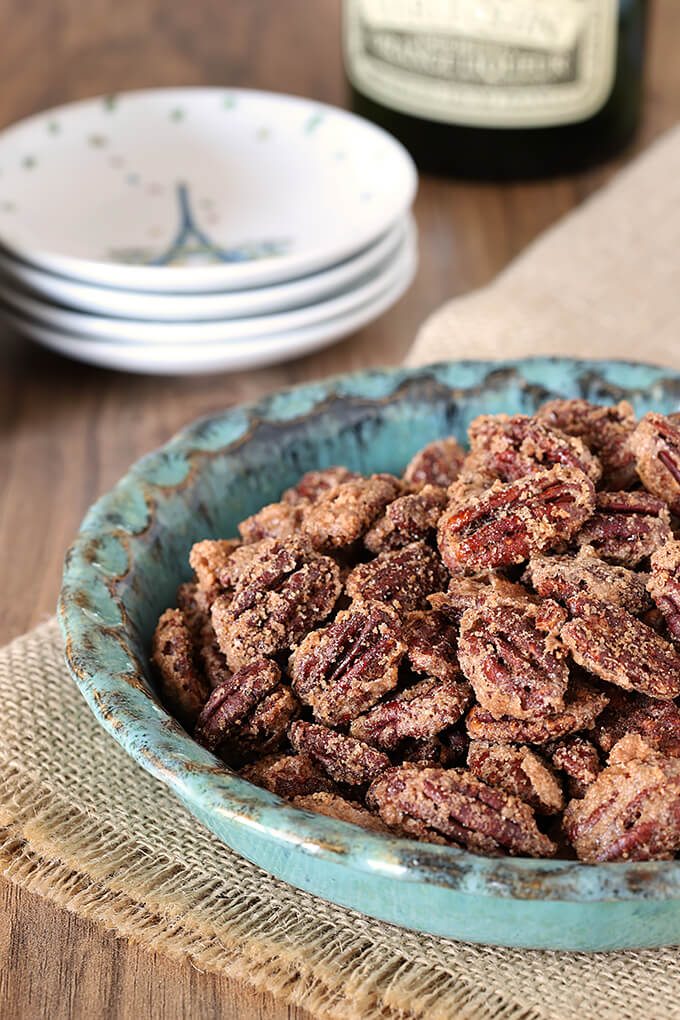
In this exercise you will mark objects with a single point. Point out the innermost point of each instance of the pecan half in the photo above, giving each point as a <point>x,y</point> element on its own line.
<point>582,705</point>
<point>626,527</point>
<point>315,484</point>
<point>343,669</point>
<point>460,808</point>
<point>432,642</point>
<point>408,519</point>
<point>578,757</point>
<point>656,445</point>
<point>344,514</point>
<point>514,667</point>
<point>332,805</point>
<point>288,776</point>
<point>343,758</point>
<point>423,710</point>
<point>657,722</point>
<point>606,431</point>
<point>512,522</point>
<point>575,580</point>
<point>514,447</point>
<point>519,771</point>
<point>276,520</point>
<point>632,810</point>
<point>438,463</point>
<point>182,687</point>
<point>664,584</point>
<point>617,647</point>
<point>208,559</point>
<point>402,579</point>
<point>281,595</point>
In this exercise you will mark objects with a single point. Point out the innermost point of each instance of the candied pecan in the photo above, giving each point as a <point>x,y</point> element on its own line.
<point>578,757</point>
<point>632,810</point>
<point>656,445</point>
<point>626,527</point>
<point>468,592</point>
<point>664,584</point>
<point>182,686</point>
<point>461,808</point>
<point>188,601</point>
<point>615,646</point>
<point>511,522</point>
<point>475,478</point>
<point>334,806</point>
<point>208,558</point>
<point>284,591</point>
<point>431,641</point>
<point>582,705</point>
<point>606,431</point>
<point>420,711</point>
<point>230,704</point>
<point>344,514</point>
<point>514,447</point>
<point>408,519</point>
<point>438,463</point>
<point>343,669</point>
<point>276,520</point>
<point>514,667</point>
<point>519,771</point>
<point>241,558</point>
<point>212,657</point>
<point>426,751</point>
<point>657,722</point>
<point>344,759</point>
<point>288,776</point>
<point>314,484</point>
<point>402,578</point>
<point>585,577</point>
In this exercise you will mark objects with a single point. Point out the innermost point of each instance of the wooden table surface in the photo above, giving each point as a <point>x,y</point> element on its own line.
<point>68,431</point>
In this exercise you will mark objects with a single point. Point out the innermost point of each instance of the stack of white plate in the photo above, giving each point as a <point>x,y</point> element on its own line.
<point>194,230</point>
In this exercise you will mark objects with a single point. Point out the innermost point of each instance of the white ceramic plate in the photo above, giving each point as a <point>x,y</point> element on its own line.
<point>131,304</point>
<point>214,357</point>
<point>250,329</point>
<point>197,189</point>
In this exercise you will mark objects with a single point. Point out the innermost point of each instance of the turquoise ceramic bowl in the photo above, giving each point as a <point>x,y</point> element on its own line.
<point>131,553</point>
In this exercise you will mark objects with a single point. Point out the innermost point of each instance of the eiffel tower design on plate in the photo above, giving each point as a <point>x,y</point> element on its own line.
<point>193,246</point>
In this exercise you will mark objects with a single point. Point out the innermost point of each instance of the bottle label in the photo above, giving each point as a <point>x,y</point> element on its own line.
<point>495,64</point>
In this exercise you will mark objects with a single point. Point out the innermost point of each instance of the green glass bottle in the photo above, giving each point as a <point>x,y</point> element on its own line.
<point>498,88</point>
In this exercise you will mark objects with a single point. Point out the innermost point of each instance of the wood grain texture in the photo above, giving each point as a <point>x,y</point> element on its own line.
<point>68,431</point>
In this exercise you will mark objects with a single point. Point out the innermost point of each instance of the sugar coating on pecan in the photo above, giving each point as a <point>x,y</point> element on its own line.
<point>282,594</point>
<point>344,759</point>
<point>578,758</point>
<point>432,642</point>
<point>626,527</point>
<point>408,519</point>
<point>332,805</point>
<point>230,704</point>
<point>515,446</point>
<point>519,771</point>
<point>344,514</point>
<point>438,463</point>
<point>423,710</point>
<point>617,647</point>
<point>315,484</point>
<point>469,592</point>
<point>656,445</point>
<point>657,722</point>
<point>402,578</point>
<point>182,686</point>
<point>276,520</point>
<point>606,431</point>
<point>288,776</point>
<point>458,806</point>
<point>632,810</point>
<point>230,574</point>
<point>342,670</point>
<point>513,521</point>
<point>514,667</point>
<point>582,705</point>
<point>475,478</point>
<point>575,580</point>
<point>664,584</point>
<point>208,559</point>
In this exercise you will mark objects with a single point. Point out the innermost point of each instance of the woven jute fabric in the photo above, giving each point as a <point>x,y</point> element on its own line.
<point>83,825</point>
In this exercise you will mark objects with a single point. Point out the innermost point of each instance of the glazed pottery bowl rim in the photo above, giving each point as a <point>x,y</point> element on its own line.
<point>117,691</point>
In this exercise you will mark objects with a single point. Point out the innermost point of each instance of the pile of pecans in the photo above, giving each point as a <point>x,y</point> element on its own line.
<point>482,653</point>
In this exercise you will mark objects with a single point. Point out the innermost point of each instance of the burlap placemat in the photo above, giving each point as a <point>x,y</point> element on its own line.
<point>85,826</point>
